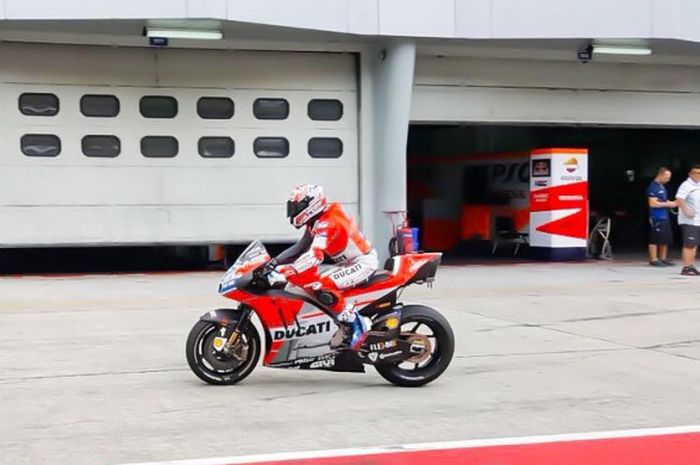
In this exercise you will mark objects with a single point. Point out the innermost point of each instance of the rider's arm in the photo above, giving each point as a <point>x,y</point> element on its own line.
<point>313,257</point>
<point>292,253</point>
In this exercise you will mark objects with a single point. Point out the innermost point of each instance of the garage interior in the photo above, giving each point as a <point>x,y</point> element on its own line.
<point>622,162</point>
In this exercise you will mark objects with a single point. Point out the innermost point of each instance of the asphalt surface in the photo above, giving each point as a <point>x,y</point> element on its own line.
<point>92,368</point>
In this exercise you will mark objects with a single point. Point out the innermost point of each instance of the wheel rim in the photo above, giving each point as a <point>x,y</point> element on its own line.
<point>218,364</point>
<point>425,329</point>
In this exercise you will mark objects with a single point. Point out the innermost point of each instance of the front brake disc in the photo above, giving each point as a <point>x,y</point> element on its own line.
<point>220,361</point>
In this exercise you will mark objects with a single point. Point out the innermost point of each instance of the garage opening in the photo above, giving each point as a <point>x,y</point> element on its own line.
<point>456,170</point>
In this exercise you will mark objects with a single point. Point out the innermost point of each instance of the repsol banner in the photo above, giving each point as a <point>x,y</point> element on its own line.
<point>559,202</point>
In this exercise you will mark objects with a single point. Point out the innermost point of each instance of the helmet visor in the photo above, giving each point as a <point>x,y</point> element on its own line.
<point>295,208</point>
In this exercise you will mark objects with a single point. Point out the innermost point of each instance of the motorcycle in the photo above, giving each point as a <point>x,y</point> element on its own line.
<point>409,345</point>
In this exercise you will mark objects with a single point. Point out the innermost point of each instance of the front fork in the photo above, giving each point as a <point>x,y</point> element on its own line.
<point>231,332</point>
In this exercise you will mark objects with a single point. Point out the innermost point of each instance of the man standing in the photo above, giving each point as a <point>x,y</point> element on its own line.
<point>659,224</point>
<point>688,198</point>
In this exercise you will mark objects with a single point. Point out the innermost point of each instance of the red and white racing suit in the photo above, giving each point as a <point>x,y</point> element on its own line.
<point>333,237</point>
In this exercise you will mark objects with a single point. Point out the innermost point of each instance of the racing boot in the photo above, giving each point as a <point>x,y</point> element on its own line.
<point>360,328</point>
<point>359,325</point>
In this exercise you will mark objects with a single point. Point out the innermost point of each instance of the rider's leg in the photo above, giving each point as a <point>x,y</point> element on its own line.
<point>346,277</point>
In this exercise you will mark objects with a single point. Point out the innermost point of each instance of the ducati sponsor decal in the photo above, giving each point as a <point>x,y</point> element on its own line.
<point>302,331</point>
<point>346,272</point>
<point>390,354</point>
<point>323,361</point>
<point>416,265</point>
<point>306,261</point>
<point>382,345</point>
<point>339,258</point>
<point>327,363</point>
<point>373,356</point>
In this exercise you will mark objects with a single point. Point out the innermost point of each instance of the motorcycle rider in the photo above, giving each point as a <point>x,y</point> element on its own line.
<point>330,234</point>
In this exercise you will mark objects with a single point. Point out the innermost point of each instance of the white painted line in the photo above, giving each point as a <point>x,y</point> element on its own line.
<point>553,438</point>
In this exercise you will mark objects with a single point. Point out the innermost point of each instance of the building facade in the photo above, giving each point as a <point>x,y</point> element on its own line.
<point>111,139</point>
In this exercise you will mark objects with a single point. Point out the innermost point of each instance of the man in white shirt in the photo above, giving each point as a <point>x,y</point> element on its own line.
<point>688,198</point>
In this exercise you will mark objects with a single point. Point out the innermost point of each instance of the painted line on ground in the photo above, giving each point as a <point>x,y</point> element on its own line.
<point>652,446</point>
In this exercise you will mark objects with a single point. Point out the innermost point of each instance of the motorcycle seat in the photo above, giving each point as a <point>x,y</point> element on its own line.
<point>377,277</point>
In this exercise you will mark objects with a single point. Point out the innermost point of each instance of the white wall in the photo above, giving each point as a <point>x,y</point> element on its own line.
<point>73,199</point>
<point>675,19</point>
<point>481,90</point>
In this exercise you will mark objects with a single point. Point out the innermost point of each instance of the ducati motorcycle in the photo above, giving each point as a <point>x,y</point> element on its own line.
<point>409,345</point>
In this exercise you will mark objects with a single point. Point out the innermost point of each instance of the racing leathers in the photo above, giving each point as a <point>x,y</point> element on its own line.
<point>333,237</point>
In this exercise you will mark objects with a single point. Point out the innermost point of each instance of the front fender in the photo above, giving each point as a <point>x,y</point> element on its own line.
<point>223,316</point>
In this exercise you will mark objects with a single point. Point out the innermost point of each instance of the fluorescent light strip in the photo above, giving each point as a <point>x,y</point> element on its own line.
<point>621,50</point>
<point>196,34</point>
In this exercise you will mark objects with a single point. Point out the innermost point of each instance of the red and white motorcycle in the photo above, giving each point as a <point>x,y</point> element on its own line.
<point>409,345</point>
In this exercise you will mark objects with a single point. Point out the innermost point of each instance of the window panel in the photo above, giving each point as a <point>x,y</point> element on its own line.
<point>215,108</point>
<point>216,147</point>
<point>158,106</point>
<point>159,146</point>
<point>325,147</point>
<point>271,108</point>
<point>271,147</point>
<point>100,146</point>
<point>99,106</point>
<point>325,110</point>
<point>40,145</point>
<point>38,104</point>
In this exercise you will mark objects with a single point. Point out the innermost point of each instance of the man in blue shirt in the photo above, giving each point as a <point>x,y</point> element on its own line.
<point>660,226</point>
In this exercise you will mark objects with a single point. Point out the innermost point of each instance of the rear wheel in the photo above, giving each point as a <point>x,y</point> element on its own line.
<point>425,326</point>
<point>226,366</point>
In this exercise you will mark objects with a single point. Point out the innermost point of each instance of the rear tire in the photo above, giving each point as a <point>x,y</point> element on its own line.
<point>216,368</point>
<point>440,358</point>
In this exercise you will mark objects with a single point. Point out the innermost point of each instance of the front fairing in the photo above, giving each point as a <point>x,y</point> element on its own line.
<point>240,273</point>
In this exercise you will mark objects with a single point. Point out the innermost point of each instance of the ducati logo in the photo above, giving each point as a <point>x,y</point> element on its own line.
<point>301,331</point>
<point>346,272</point>
<point>373,356</point>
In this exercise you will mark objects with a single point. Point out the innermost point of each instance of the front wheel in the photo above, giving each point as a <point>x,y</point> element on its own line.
<point>424,324</point>
<point>222,367</point>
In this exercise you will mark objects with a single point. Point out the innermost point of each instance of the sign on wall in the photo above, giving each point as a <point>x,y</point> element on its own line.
<point>559,203</point>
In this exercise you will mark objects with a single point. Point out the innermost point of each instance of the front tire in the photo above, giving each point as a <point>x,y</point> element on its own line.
<point>216,367</point>
<point>442,338</point>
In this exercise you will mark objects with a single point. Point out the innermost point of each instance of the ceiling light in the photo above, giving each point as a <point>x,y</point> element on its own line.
<point>621,50</point>
<point>197,34</point>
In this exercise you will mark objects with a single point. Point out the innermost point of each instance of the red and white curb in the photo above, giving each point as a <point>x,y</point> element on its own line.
<point>656,446</point>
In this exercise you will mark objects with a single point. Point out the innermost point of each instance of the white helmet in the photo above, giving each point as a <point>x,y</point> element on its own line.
<point>305,203</point>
